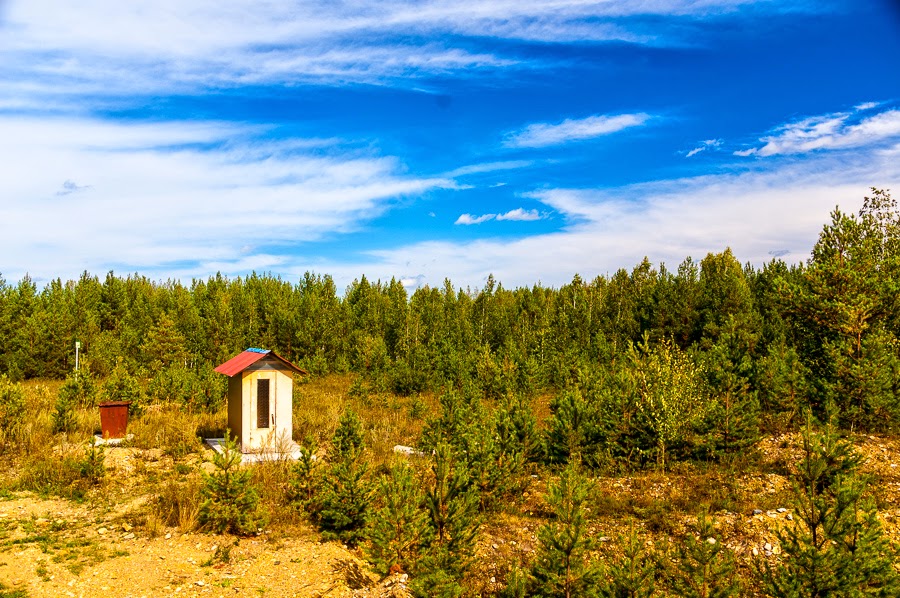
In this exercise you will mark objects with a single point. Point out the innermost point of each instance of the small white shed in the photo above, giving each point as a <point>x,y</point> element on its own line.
<point>260,399</point>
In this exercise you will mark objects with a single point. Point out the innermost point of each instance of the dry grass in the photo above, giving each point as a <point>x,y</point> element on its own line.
<point>388,419</point>
<point>175,503</point>
<point>172,430</point>
<point>161,491</point>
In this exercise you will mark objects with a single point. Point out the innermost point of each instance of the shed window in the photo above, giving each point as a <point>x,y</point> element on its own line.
<point>262,403</point>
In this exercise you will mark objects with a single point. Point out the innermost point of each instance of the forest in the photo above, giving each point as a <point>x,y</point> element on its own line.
<point>642,372</point>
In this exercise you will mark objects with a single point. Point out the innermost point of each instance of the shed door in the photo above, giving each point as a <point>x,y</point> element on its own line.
<point>262,403</point>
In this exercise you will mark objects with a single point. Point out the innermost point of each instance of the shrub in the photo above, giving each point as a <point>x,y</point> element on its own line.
<point>399,526</point>
<point>706,568</point>
<point>304,480</point>
<point>79,389</point>
<point>491,448</point>
<point>230,501</point>
<point>12,413</point>
<point>633,573</point>
<point>453,518</point>
<point>122,386</point>
<point>836,546</point>
<point>92,467</point>
<point>670,392</point>
<point>345,492</point>
<point>561,567</point>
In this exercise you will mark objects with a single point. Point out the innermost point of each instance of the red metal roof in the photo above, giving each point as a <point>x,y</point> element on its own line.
<point>242,361</point>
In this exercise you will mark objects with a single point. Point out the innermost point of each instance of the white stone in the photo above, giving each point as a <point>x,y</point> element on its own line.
<point>407,450</point>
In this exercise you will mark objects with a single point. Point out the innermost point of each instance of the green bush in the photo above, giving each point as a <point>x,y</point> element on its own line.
<point>346,493</point>
<point>12,413</point>
<point>305,479</point>
<point>562,567</point>
<point>706,568</point>
<point>632,574</point>
<point>122,386</point>
<point>398,527</point>
<point>836,546</point>
<point>454,522</point>
<point>230,501</point>
<point>79,389</point>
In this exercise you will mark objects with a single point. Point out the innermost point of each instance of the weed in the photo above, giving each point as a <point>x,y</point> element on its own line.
<point>175,504</point>
<point>221,555</point>
<point>7,592</point>
<point>41,571</point>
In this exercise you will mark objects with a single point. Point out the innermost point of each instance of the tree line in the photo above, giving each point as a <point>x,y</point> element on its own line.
<point>755,345</point>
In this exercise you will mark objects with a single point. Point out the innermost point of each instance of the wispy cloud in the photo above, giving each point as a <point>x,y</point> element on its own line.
<point>69,187</point>
<point>758,213</point>
<point>489,167</point>
<point>546,134</point>
<point>141,45</point>
<point>519,214</point>
<point>162,193</point>
<point>704,145</point>
<point>469,219</point>
<point>828,132</point>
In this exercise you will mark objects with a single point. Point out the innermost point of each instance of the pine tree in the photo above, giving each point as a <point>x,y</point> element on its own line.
<point>731,421</point>
<point>453,518</point>
<point>305,480</point>
<point>706,568</point>
<point>836,546</point>
<point>346,491</point>
<point>64,414</point>
<point>398,528</point>
<point>122,386</point>
<point>12,412</point>
<point>561,567</point>
<point>230,501</point>
<point>633,573</point>
<point>846,305</point>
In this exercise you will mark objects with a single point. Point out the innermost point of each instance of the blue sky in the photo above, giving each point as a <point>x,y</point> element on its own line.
<point>436,139</point>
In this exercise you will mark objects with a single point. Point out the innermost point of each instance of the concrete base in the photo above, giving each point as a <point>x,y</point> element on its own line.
<point>101,441</point>
<point>292,454</point>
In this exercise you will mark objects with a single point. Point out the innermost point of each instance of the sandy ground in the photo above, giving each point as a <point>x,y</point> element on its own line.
<point>85,556</point>
<point>52,547</point>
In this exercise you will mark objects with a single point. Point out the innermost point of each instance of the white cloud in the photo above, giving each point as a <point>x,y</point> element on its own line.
<point>866,106</point>
<point>546,134</point>
<point>828,132</point>
<point>520,214</point>
<point>53,48</point>
<point>489,167</point>
<point>704,145</point>
<point>146,198</point>
<point>759,214</point>
<point>468,219</point>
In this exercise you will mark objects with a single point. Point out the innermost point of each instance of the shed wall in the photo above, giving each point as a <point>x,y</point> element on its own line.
<point>234,409</point>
